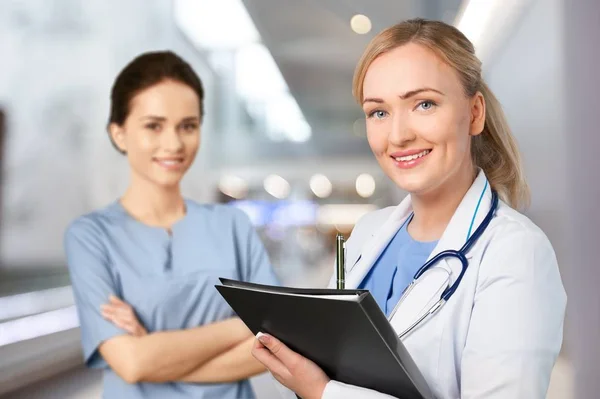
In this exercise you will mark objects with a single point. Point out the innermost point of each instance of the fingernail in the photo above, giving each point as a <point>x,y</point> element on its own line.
<point>262,338</point>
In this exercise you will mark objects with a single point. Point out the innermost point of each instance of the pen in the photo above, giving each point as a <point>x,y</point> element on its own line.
<point>340,261</point>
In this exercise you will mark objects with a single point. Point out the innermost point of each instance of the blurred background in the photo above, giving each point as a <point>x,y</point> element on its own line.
<point>282,140</point>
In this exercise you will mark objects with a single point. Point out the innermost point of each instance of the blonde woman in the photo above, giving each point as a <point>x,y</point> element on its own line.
<point>497,302</point>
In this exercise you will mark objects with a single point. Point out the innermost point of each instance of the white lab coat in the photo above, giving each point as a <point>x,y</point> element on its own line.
<point>499,335</point>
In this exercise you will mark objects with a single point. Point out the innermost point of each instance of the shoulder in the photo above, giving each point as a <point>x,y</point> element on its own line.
<point>510,225</point>
<point>366,227</point>
<point>93,227</point>
<point>516,246</point>
<point>370,222</point>
<point>91,223</point>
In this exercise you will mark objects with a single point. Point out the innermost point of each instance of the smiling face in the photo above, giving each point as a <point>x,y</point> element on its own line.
<point>161,134</point>
<point>419,120</point>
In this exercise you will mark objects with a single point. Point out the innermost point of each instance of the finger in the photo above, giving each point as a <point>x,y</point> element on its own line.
<point>126,319</point>
<point>126,314</point>
<point>287,356</point>
<point>128,327</point>
<point>120,305</point>
<point>270,361</point>
<point>115,312</point>
<point>115,316</point>
<point>116,300</point>
<point>108,311</point>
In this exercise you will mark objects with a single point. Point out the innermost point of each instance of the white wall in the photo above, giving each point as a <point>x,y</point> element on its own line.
<point>582,52</point>
<point>526,74</point>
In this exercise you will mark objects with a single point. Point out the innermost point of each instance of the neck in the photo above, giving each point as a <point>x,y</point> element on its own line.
<point>153,204</point>
<point>433,210</point>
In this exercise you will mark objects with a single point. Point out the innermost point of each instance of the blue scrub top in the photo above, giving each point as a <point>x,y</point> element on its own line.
<point>167,278</point>
<point>395,268</point>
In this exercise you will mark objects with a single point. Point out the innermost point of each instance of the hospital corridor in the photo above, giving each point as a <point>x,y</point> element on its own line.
<point>295,121</point>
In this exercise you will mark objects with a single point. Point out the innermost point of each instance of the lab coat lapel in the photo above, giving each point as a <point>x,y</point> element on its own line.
<point>370,252</point>
<point>471,211</point>
<point>468,216</point>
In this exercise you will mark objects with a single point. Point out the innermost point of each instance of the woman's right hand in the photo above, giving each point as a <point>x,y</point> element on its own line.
<point>123,316</point>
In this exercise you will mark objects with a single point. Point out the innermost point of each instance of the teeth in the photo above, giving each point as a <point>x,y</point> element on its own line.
<point>412,157</point>
<point>170,162</point>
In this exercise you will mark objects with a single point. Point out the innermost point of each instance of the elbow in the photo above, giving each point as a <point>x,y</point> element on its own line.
<point>125,357</point>
<point>131,373</point>
<point>131,368</point>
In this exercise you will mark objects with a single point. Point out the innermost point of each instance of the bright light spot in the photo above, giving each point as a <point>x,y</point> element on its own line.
<point>360,24</point>
<point>233,186</point>
<point>256,73</point>
<point>277,186</point>
<point>365,185</point>
<point>359,127</point>
<point>342,214</point>
<point>321,186</point>
<point>485,22</point>
<point>203,21</point>
<point>284,115</point>
<point>260,82</point>
<point>226,32</point>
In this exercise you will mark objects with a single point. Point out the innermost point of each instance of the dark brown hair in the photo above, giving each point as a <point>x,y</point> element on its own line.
<point>147,70</point>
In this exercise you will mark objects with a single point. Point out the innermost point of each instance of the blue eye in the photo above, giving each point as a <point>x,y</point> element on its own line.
<point>426,105</point>
<point>378,114</point>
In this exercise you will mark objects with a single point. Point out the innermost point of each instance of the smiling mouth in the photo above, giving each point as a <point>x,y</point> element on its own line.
<point>170,162</point>
<point>409,158</point>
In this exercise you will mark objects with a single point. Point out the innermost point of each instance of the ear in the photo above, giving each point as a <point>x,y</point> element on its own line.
<point>117,135</point>
<point>477,114</point>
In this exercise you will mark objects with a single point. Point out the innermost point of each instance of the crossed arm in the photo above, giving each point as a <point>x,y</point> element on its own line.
<point>215,353</point>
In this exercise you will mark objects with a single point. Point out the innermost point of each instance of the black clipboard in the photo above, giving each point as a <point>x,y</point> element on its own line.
<point>343,331</point>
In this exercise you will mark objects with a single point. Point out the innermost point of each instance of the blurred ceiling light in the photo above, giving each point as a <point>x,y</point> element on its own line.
<point>365,185</point>
<point>360,24</point>
<point>487,22</point>
<point>257,75</point>
<point>342,214</point>
<point>284,115</point>
<point>321,186</point>
<point>216,24</point>
<point>277,186</point>
<point>359,127</point>
<point>225,29</point>
<point>233,186</point>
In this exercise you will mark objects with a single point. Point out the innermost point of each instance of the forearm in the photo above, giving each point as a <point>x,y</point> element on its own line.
<point>169,355</point>
<point>234,365</point>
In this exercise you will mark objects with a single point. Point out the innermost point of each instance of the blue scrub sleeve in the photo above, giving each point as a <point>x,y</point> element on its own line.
<point>256,265</point>
<point>92,283</point>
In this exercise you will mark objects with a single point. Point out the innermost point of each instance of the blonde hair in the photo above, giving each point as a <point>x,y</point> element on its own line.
<point>495,149</point>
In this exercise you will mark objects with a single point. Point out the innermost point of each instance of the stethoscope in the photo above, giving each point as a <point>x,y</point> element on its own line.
<point>450,253</point>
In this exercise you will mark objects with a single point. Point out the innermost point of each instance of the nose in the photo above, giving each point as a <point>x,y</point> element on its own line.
<point>171,141</point>
<point>401,133</point>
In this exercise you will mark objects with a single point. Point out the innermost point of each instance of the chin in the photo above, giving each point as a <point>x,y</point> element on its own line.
<point>413,183</point>
<point>167,182</point>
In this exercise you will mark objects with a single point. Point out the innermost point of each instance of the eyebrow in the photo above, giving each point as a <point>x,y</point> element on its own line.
<point>403,96</point>
<point>162,118</point>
